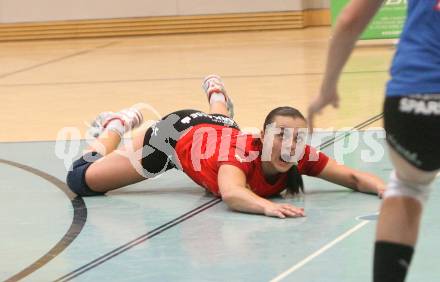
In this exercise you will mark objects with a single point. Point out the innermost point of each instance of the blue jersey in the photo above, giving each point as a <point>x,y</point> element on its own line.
<point>416,64</point>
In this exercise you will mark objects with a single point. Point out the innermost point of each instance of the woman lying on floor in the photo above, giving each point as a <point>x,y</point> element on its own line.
<point>212,151</point>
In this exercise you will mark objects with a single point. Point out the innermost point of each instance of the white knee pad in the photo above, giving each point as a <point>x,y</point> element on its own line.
<point>397,187</point>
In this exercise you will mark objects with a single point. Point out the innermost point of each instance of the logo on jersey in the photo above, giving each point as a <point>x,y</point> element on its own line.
<point>238,158</point>
<point>437,6</point>
<point>185,120</point>
<point>154,129</point>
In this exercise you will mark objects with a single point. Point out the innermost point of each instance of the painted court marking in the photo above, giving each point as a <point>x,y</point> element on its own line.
<point>365,219</point>
<point>318,252</point>
<point>78,221</point>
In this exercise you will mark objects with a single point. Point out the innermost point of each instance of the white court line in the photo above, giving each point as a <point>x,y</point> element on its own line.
<point>318,252</point>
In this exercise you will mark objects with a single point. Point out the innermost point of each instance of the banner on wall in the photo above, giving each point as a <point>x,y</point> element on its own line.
<point>387,24</point>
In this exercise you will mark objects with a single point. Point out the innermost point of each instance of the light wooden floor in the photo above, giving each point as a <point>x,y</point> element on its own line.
<point>47,85</point>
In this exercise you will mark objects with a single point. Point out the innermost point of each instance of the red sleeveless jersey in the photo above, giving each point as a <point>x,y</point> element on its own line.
<point>205,147</point>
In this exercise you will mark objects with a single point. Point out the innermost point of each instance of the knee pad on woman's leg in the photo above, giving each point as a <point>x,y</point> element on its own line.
<point>76,178</point>
<point>397,187</point>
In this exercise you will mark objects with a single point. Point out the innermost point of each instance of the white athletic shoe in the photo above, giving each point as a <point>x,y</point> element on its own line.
<point>214,84</point>
<point>131,118</point>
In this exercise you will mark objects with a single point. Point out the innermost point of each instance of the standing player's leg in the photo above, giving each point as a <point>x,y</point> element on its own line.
<point>399,219</point>
<point>219,101</point>
<point>411,137</point>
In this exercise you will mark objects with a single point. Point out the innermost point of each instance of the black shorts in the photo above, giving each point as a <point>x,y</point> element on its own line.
<point>412,124</point>
<point>158,154</point>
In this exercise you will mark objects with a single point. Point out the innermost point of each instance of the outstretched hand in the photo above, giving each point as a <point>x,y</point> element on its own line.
<point>283,210</point>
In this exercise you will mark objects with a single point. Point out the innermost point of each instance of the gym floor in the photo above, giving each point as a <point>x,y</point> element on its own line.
<point>168,228</point>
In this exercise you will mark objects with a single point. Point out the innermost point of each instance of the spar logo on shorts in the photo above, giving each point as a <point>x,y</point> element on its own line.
<point>419,107</point>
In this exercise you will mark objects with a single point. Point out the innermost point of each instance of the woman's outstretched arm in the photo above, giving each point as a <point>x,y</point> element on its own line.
<point>232,184</point>
<point>351,178</point>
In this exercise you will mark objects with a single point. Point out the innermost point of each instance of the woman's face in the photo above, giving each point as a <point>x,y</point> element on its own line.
<point>283,143</point>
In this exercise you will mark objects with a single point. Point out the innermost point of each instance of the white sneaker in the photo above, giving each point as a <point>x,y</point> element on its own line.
<point>214,84</point>
<point>130,118</point>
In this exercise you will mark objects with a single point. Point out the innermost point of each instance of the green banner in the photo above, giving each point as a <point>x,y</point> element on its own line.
<point>387,24</point>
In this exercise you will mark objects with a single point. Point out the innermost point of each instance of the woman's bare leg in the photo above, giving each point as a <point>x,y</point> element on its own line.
<point>116,167</point>
<point>106,143</point>
<point>399,220</point>
<point>400,216</point>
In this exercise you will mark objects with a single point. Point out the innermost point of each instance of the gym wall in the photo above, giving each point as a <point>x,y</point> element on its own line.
<point>24,19</point>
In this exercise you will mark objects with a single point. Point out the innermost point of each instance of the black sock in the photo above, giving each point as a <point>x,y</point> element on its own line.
<point>391,261</point>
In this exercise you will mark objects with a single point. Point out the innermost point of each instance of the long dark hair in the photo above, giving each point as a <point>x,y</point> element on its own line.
<point>294,183</point>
